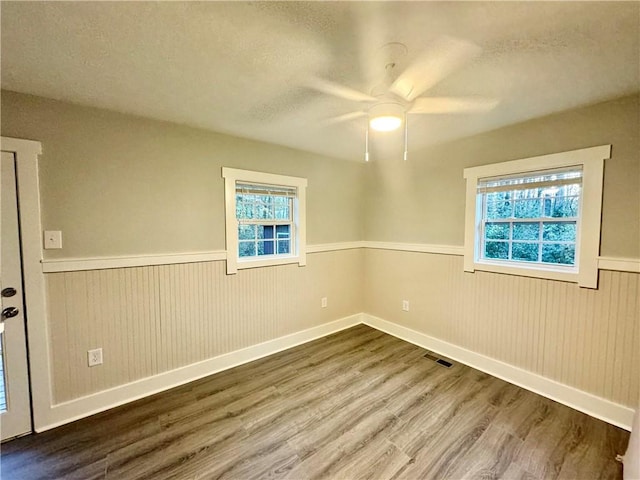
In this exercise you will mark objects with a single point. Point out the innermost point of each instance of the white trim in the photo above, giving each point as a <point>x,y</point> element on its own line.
<point>542,162</point>
<point>588,235</point>
<point>590,223</point>
<point>231,177</point>
<point>619,264</point>
<point>416,247</point>
<point>527,271</point>
<point>55,265</point>
<point>66,412</point>
<point>585,402</point>
<point>330,247</point>
<point>26,154</point>
<point>102,263</point>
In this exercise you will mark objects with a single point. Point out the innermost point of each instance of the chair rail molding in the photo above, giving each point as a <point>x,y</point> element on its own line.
<point>144,260</point>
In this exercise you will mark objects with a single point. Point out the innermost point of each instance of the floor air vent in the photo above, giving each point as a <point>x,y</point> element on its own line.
<point>438,360</point>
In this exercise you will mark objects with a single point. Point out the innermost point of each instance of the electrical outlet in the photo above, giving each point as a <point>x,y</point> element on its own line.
<point>94,357</point>
<point>405,305</point>
<point>323,302</point>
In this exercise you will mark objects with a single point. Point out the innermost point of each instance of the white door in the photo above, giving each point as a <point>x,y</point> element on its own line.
<point>15,407</point>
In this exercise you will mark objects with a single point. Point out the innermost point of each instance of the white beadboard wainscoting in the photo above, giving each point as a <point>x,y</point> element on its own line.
<point>81,407</point>
<point>179,317</point>
<point>163,325</point>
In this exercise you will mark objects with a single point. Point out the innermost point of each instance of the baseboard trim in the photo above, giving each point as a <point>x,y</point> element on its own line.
<point>582,401</point>
<point>66,412</point>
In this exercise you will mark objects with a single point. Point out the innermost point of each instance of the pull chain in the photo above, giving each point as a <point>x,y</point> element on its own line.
<point>406,136</point>
<point>366,143</point>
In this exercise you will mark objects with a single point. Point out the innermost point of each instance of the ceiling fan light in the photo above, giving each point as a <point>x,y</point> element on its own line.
<point>385,123</point>
<point>386,116</point>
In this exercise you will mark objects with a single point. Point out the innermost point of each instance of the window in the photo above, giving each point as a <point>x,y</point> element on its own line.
<point>531,218</point>
<point>537,217</point>
<point>265,219</point>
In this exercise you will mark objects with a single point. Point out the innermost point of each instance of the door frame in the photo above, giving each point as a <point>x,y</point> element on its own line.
<point>26,157</point>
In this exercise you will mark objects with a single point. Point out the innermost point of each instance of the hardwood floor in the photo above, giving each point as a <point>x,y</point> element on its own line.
<point>356,404</point>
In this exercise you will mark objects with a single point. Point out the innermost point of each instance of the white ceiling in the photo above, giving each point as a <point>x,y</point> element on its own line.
<point>243,67</point>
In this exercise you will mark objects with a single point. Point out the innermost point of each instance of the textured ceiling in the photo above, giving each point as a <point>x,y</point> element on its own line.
<point>243,68</point>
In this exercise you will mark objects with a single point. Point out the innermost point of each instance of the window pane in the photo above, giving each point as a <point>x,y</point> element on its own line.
<point>526,231</point>
<point>568,190</point>
<point>499,209</point>
<point>284,246</point>
<point>282,208</point>
<point>283,231</point>
<point>246,249</point>
<point>526,194</point>
<point>496,231</point>
<point>559,253</point>
<point>527,208</point>
<point>559,231</point>
<point>263,207</point>
<point>244,206</point>
<point>265,247</point>
<point>265,231</point>
<point>561,207</point>
<point>496,250</point>
<point>246,232</point>
<point>527,252</point>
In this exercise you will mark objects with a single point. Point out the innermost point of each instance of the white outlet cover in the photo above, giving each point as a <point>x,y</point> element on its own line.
<point>94,357</point>
<point>323,302</point>
<point>52,239</point>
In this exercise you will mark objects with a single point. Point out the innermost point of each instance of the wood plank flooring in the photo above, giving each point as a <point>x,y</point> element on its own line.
<point>356,404</point>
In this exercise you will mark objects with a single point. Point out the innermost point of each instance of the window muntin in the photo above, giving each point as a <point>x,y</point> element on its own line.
<point>531,217</point>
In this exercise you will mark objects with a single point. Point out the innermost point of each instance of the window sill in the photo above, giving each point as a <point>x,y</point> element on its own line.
<point>265,261</point>
<point>568,274</point>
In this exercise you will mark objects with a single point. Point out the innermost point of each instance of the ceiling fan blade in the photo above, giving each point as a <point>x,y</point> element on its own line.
<point>452,104</point>
<point>343,118</point>
<point>337,90</point>
<point>443,56</point>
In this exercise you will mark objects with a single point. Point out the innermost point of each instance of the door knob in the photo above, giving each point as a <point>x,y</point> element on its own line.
<point>8,292</point>
<point>10,312</point>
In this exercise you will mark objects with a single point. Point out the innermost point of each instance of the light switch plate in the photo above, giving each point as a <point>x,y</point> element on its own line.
<point>52,239</point>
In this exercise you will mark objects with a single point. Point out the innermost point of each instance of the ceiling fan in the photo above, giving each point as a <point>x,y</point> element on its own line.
<point>399,94</point>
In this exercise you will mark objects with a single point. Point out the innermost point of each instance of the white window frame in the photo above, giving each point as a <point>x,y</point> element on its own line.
<point>585,272</point>
<point>299,238</point>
